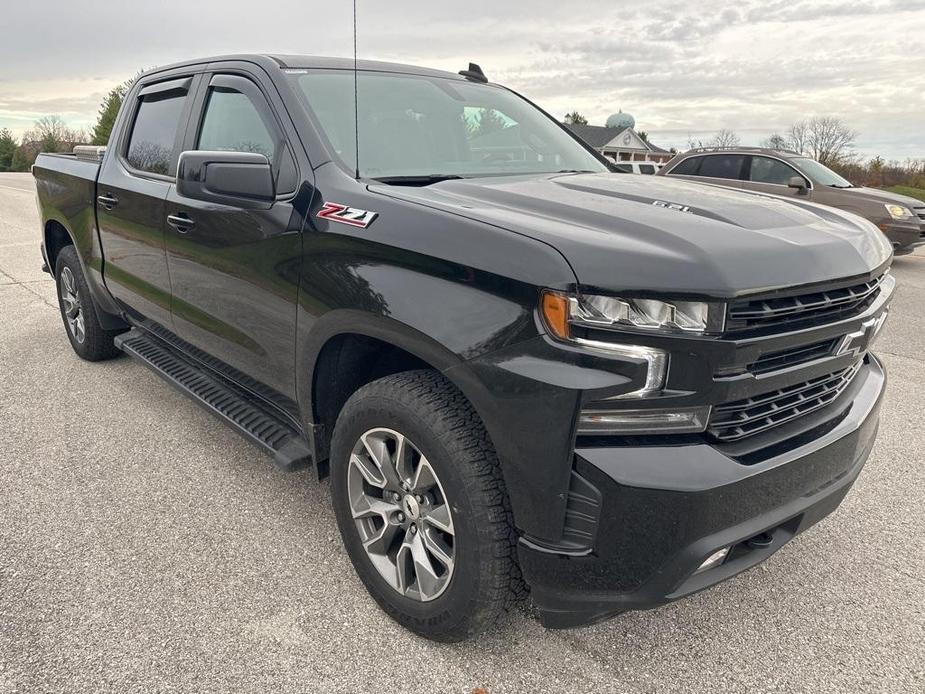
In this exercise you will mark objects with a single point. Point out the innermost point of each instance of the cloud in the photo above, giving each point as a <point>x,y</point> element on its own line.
<point>754,66</point>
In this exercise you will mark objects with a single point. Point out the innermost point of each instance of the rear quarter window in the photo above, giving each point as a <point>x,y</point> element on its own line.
<point>154,133</point>
<point>687,167</point>
<point>722,166</point>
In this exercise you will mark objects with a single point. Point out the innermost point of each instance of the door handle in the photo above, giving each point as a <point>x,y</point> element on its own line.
<point>108,201</point>
<point>180,222</point>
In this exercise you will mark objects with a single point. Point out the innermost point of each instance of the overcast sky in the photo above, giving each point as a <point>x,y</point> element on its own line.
<point>680,67</point>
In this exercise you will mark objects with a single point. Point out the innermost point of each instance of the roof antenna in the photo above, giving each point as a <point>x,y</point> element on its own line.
<point>356,99</point>
<point>474,73</point>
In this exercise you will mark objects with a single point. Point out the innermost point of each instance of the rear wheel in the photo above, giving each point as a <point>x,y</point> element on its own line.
<point>422,507</point>
<point>87,337</point>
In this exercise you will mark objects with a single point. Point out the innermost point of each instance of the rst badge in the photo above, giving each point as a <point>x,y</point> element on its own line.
<point>353,216</point>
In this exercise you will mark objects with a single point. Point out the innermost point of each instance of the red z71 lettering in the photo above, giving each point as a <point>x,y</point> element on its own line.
<point>347,215</point>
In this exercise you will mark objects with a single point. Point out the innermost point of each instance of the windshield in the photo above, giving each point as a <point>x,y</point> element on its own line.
<point>423,126</point>
<point>820,173</point>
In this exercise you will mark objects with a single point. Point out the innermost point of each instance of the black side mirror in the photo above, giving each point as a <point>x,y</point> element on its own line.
<point>799,183</point>
<point>241,179</point>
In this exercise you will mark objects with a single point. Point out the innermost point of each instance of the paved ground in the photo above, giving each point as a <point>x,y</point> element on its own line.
<point>146,547</point>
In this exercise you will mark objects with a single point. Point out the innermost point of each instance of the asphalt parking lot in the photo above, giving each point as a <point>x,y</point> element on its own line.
<point>146,547</point>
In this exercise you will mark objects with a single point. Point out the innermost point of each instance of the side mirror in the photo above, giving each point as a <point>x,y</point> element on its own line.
<point>799,183</point>
<point>241,179</point>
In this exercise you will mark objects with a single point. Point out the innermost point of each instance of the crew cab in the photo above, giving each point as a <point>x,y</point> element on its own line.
<point>520,369</point>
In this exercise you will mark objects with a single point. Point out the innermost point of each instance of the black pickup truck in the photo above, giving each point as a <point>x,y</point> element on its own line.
<point>521,369</point>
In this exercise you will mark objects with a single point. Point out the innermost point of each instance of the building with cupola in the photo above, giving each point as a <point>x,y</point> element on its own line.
<point>619,141</point>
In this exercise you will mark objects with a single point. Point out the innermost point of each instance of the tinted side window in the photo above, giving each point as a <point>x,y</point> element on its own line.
<point>722,166</point>
<point>151,146</point>
<point>233,123</point>
<point>647,168</point>
<point>765,170</point>
<point>688,167</point>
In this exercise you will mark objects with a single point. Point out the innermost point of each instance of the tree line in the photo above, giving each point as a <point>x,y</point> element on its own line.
<point>52,134</point>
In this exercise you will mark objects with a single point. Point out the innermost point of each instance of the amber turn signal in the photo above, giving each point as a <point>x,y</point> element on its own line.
<point>555,314</point>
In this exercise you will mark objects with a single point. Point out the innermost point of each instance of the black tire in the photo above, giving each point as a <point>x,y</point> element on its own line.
<point>435,416</point>
<point>90,341</point>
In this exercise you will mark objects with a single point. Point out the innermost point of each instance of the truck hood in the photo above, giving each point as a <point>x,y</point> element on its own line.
<point>626,232</point>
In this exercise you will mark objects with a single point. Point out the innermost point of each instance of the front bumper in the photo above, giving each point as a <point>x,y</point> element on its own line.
<point>664,509</point>
<point>905,237</point>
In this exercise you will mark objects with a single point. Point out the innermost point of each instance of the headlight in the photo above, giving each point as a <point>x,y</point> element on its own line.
<point>565,315</point>
<point>898,211</point>
<point>593,311</point>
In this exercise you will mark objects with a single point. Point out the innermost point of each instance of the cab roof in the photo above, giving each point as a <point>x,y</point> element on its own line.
<point>285,62</point>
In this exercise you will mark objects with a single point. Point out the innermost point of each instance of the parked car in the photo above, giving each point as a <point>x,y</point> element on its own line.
<point>519,368</point>
<point>782,172</point>
<point>637,167</point>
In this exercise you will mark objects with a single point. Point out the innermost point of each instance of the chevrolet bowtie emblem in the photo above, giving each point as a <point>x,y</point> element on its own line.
<point>860,340</point>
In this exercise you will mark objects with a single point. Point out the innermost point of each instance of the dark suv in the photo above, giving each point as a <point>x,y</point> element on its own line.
<point>783,172</point>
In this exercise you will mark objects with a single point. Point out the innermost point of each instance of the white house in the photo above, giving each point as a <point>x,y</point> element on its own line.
<point>619,141</point>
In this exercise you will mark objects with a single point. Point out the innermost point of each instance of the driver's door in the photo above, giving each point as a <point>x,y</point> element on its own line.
<point>235,272</point>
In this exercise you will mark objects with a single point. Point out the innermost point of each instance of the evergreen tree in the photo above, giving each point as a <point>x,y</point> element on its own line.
<point>109,109</point>
<point>575,118</point>
<point>7,149</point>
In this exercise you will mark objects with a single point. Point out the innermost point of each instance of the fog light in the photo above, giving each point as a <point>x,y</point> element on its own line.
<point>599,421</point>
<point>713,560</point>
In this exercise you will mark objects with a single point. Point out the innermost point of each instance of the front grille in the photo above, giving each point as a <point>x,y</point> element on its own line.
<point>779,311</point>
<point>737,420</point>
<point>919,212</point>
<point>792,357</point>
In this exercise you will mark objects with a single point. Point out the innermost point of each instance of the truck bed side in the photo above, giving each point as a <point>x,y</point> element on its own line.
<point>66,189</point>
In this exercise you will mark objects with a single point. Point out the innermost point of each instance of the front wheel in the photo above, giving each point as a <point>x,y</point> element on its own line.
<point>422,508</point>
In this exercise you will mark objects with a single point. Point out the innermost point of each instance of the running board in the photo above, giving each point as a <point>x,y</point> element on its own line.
<point>289,449</point>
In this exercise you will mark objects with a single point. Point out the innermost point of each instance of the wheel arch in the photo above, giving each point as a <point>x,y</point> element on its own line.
<point>348,348</point>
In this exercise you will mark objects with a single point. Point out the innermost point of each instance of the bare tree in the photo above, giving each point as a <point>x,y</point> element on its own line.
<point>797,136</point>
<point>692,143</point>
<point>724,138</point>
<point>775,141</point>
<point>52,134</point>
<point>829,140</point>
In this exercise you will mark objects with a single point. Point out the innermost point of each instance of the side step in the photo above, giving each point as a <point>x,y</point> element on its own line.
<point>289,449</point>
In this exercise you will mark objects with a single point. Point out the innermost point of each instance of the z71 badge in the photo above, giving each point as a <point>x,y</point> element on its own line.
<point>347,215</point>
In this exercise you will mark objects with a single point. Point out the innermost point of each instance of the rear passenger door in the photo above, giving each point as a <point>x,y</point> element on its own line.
<point>235,272</point>
<point>133,184</point>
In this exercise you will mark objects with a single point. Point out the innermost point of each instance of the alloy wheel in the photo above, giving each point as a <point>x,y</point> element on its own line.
<point>401,514</point>
<point>73,310</point>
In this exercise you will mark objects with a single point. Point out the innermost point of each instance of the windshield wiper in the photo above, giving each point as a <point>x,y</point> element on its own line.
<point>416,180</point>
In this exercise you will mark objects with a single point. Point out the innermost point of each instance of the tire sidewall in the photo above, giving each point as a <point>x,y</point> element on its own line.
<point>448,612</point>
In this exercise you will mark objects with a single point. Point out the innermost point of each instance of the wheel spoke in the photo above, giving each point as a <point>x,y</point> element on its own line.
<point>382,541</point>
<point>79,331</point>
<point>437,547</point>
<point>424,477</point>
<point>440,518</point>
<point>367,506</point>
<point>424,574</point>
<point>68,280</point>
<point>402,461</point>
<point>371,473</point>
<point>378,450</point>
<point>404,566</point>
